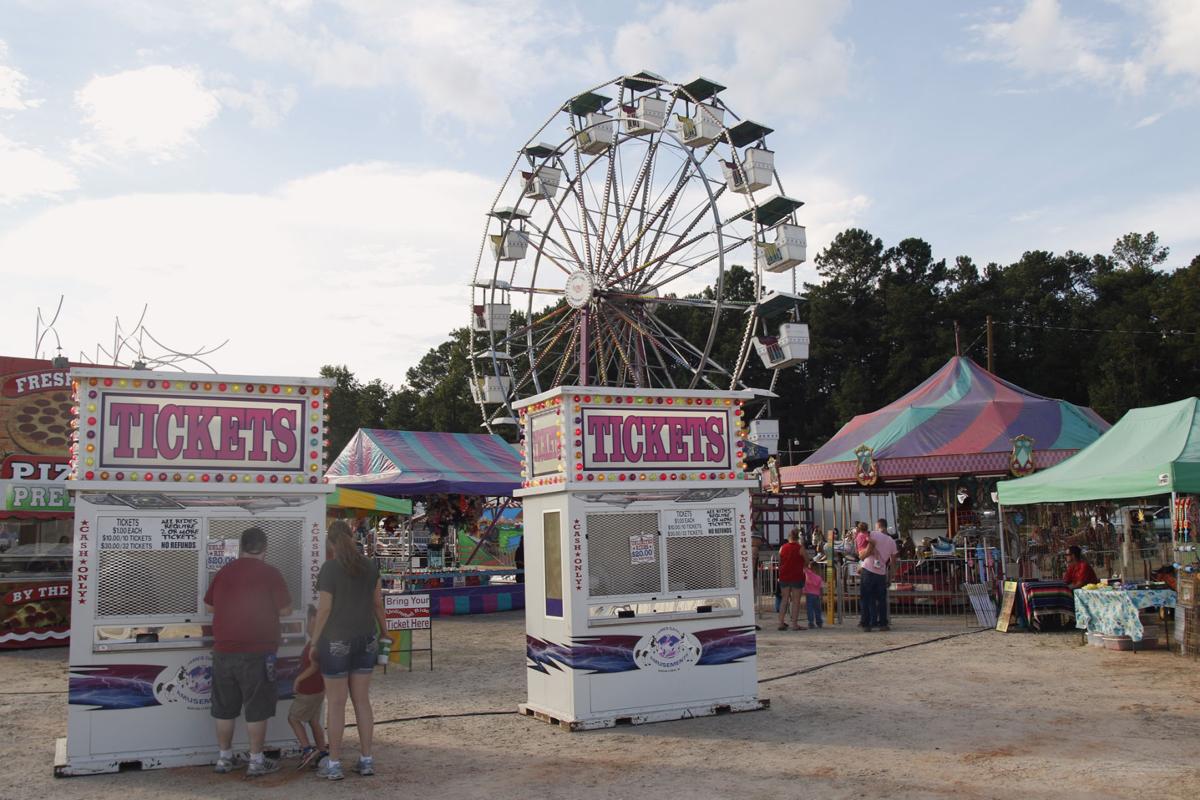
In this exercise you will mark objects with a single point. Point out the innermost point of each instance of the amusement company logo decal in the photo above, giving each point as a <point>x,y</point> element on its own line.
<point>667,650</point>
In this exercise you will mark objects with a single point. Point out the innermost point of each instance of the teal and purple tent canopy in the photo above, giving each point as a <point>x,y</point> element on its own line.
<point>407,463</point>
<point>961,421</point>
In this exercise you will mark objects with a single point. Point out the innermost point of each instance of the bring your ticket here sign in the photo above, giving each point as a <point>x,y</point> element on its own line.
<point>406,612</point>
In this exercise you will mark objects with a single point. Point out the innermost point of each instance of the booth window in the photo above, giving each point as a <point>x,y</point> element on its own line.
<point>284,546</point>
<point>35,548</point>
<point>700,562</point>
<point>146,583</point>
<point>552,553</point>
<point>611,568</point>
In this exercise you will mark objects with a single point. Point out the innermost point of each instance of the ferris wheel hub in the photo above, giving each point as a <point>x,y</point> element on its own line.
<point>580,289</point>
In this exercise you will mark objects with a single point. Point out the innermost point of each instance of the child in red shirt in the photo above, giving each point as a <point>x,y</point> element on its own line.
<point>309,688</point>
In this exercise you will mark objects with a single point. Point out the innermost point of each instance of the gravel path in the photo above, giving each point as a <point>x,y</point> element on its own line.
<point>977,715</point>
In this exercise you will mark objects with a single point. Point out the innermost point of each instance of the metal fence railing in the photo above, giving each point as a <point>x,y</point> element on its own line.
<point>927,587</point>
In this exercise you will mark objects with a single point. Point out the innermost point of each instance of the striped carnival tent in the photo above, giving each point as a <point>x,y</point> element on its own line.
<point>407,463</point>
<point>962,420</point>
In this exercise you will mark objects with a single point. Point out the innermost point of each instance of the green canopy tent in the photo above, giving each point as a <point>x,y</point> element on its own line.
<point>1151,451</point>
<point>342,497</point>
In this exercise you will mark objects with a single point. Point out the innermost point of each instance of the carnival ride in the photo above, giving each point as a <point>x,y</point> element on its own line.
<point>655,191</point>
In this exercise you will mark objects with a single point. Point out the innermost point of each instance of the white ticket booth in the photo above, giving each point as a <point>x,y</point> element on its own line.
<point>168,471</point>
<point>639,575</point>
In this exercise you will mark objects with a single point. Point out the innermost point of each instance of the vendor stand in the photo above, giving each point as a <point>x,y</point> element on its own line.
<point>461,485</point>
<point>1151,452</point>
<point>35,507</point>
<point>169,471</point>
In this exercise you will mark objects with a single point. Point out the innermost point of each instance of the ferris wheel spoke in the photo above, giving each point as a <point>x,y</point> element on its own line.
<point>630,203</point>
<point>584,216</point>
<point>704,363</point>
<point>661,210</point>
<point>679,244</point>
<point>570,354</point>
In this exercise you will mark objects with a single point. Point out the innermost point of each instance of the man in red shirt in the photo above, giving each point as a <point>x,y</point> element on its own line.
<point>246,599</point>
<point>1079,572</point>
<point>791,580</point>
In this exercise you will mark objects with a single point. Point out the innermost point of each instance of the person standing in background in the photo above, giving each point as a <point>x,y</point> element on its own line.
<point>349,616</point>
<point>792,562</point>
<point>246,598</point>
<point>875,552</point>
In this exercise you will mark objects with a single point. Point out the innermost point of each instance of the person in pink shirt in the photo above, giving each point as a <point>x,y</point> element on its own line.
<point>813,582</point>
<point>875,552</point>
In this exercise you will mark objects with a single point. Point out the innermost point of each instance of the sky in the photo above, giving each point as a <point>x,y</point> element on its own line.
<point>308,180</point>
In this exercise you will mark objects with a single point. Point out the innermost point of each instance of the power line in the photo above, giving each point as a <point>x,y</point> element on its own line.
<point>1095,330</point>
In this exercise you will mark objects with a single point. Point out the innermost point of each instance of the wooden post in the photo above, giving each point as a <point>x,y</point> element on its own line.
<point>991,365</point>
<point>957,345</point>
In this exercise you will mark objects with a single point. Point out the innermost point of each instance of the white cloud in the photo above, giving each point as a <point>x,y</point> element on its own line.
<point>1147,121</point>
<point>466,61</point>
<point>779,60</point>
<point>1159,38</point>
<point>1042,40</point>
<point>267,108</point>
<point>154,111</point>
<point>322,270</point>
<point>28,172</point>
<point>13,84</point>
<point>1175,27</point>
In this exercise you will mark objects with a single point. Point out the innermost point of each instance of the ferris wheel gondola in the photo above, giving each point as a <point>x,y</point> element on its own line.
<point>597,240</point>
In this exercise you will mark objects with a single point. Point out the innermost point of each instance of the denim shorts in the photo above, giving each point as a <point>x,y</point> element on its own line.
<point>339,657</point>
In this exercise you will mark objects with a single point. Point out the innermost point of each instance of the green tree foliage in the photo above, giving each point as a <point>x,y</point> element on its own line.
<point>1111,331</point>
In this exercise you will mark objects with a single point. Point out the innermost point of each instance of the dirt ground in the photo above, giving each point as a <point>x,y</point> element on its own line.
<point>979,715</point>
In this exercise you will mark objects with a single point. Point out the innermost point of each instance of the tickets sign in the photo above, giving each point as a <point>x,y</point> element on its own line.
<point>620,439</point>
<point>145,430</point>
<point>406,612</point>
<point>149,533</point>
<point>140,426</point>
<point>545,442</point>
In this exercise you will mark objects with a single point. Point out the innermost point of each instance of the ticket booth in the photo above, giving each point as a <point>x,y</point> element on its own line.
<point>639,575</point>
<point>168,471</point>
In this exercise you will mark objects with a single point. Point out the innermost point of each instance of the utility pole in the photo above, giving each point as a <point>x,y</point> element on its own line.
<point>991,366</point>
<point>957,346</point>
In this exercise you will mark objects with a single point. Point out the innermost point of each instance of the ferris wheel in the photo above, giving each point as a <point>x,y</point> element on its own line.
<point>605,254</point>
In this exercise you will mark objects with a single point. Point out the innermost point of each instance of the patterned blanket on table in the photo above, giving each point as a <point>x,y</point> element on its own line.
<point>1115,611</point>
<point>1044,600</point>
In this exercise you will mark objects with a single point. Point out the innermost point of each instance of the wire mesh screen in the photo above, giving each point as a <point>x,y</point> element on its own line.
<point>147,583</point>
<point>700,562</point>
<point>284,546</point>
<point>611,567</point>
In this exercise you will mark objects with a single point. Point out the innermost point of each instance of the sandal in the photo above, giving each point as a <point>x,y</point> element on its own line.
<point>782,627</point>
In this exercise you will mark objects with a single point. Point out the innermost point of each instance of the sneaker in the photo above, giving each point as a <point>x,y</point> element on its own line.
<point>224,766</point>
<point>330,770</point>
<point>799,628</point>
<point>365,765</point>
<point>884,628</point>
<point>321,756</point>
<point>257,769</point>
<point>307,756</point>
<point>782,627</point>
<point>868,628</point>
